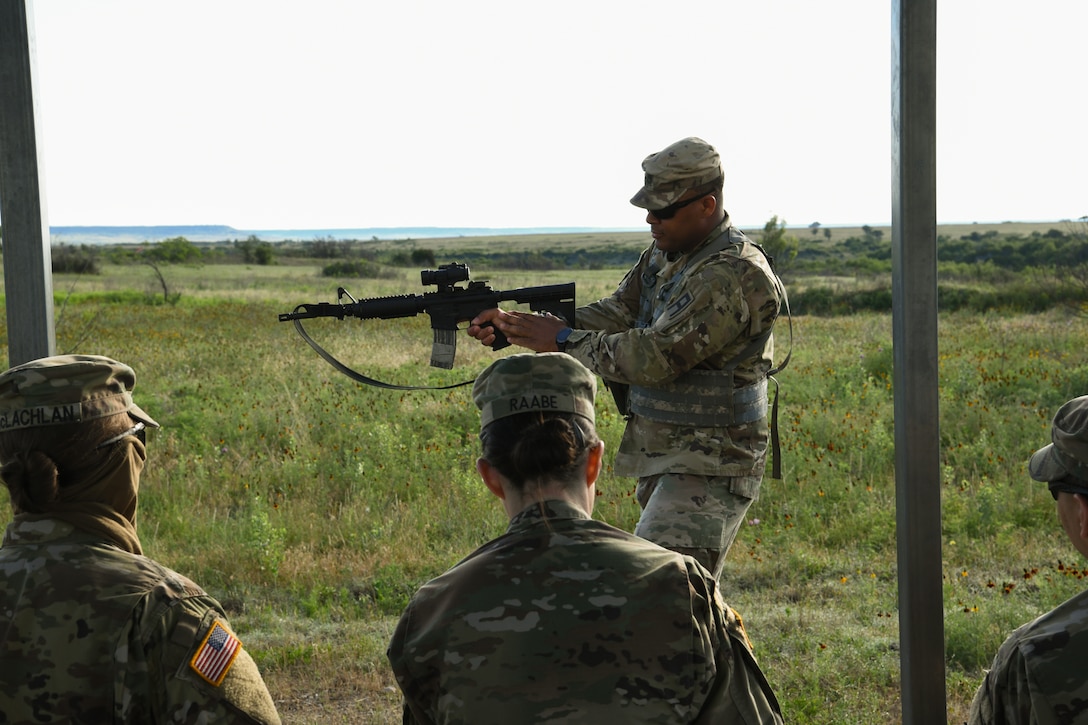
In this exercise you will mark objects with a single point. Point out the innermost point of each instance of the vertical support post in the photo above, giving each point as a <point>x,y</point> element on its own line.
<point>914,337</point>
<point>28,273</point>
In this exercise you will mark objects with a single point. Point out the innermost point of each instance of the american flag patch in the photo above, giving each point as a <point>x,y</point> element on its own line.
<point>216,654</point>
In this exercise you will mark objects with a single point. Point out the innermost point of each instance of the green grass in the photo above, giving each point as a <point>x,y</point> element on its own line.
<point>313,507</point>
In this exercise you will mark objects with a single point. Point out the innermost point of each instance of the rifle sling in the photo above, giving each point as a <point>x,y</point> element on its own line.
<point>359,377</point>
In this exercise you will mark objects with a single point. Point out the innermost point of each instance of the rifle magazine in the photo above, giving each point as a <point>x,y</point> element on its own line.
<point>444,348</point>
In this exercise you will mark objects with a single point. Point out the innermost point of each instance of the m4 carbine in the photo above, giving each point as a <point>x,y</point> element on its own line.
<point>448,306</point>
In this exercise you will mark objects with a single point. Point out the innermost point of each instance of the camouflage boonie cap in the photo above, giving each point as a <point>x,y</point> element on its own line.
<point>532,382</point>
<point>1068,454</point>
<point>67,389</point>
<point>684,165</point>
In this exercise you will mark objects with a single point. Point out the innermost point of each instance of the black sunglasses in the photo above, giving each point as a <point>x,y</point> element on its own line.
<point>670,211</point>
<point>1057,487</point>
<point>136,430</point>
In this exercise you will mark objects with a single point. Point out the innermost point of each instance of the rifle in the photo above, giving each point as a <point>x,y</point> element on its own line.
<point>447,307</point>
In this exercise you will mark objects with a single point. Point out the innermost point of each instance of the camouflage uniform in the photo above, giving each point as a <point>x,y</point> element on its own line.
<point>708,315</point>
<point>94,632</point>
<point>569,620</point>
<point>702,311</point>
<point>1038,675</point>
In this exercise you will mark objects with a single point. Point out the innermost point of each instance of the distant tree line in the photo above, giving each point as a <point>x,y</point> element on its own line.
<point>977,272</point>
<point>86,258</point>
<point>872,253</point>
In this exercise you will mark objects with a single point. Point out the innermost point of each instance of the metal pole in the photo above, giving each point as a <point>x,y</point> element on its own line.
<point>28,274</point>
<point>914,338</point>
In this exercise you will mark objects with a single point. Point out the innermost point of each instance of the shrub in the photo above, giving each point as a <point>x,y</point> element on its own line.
<point>74,260</point>
<point>358,268</point>
<point>176,250</point>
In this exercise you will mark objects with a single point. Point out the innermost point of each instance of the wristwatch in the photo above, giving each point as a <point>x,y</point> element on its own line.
<point>561,339</point>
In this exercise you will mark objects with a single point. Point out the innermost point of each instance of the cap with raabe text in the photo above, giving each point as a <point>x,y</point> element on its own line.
<point>684,165</point>
<point>534,382</point>
<point>1067,455</point>
<point>67,389</point>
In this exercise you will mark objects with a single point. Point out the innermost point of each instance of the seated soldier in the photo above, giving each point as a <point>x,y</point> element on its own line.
<point>563,618</point>
<point>1038,675</point>
<point>93,631</point>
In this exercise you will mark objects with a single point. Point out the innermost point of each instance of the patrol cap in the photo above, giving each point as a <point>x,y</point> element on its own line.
<point>1067,456</point>
<point>684,165</point>
<point>67,389</point>
<point>535,382</point>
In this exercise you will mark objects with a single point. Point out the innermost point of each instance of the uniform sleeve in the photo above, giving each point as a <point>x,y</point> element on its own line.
<point>412,686</point>
<point>740,693</point>
<point>409,718</point>
<point>1004,697</point>
<point>198,669</point>
<point>708,313</point>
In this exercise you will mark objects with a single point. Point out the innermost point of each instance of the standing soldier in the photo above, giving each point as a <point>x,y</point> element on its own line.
<point>93,631</point>
<point>685,344</point>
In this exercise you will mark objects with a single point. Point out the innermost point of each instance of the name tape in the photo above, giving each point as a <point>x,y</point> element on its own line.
<point>44,415</point>
<point>529,403</point>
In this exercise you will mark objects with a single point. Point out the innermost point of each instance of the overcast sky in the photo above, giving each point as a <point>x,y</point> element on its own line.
<point>267,114</point>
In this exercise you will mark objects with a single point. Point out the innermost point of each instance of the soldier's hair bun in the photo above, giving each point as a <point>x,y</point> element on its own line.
<point>538,447</point>
<point>32,480</point>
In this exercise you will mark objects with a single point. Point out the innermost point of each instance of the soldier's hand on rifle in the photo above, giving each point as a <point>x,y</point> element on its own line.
<point>535,331</point>
<point>482,325</point>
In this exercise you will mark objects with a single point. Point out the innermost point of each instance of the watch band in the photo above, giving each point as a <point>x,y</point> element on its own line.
<point>561,339</point>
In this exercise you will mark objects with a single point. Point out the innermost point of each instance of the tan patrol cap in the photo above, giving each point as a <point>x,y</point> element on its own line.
<point>67,389</point>
<point>535,382</point>
<point>684,165</point>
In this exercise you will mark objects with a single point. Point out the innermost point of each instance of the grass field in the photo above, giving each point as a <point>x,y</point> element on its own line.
<point>313,507</point>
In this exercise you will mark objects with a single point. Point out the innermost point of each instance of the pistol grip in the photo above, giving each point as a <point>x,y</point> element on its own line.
<point>500,339</point>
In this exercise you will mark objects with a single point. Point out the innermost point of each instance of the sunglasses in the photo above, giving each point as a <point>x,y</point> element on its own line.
<point>136,430</point>
<point>670,211</point>
<point>1057,487</point>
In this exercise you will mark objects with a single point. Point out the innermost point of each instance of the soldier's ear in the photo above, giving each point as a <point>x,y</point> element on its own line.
<point>491,477</point>
<point>1082,514</point>
<point>709,205</point>
<point>594,463</point>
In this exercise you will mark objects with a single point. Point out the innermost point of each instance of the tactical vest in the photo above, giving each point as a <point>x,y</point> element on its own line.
<point>703,398</point>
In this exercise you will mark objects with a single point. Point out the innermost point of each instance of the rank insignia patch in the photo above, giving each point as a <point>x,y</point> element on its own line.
<point>216,654</point>
<point>680,305</point>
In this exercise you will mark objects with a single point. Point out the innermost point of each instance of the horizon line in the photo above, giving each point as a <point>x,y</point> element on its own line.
<point>508,228</point>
